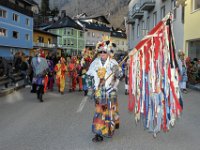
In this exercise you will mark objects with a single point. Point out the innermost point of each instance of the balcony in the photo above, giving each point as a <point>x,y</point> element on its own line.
<point>137,13</point>
<point>45,45</point>
<point>16,8</point>
<point>147,5</point>
<point>130,19</point>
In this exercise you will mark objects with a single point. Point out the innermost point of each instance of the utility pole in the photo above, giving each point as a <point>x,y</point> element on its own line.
<point>77,5</point>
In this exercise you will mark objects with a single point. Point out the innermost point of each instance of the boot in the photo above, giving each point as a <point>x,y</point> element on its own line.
<point>126,92</point>
<point>97,138</point>
<point>40,97</point>
<point>85,92</point>
<point>117,126</point>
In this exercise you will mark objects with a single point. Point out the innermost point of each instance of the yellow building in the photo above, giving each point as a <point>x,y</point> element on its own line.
<point>46,41</point>
<point>192,28</point>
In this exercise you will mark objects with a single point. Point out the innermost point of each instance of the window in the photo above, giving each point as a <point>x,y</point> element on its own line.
<point>65,32</point>
<point>68,42</point>
<point>27,22</point>
<point>143,29</point>
<point>2,32</point>
<point>40,39</point>
<point>173,7</point>
<point>138,30</point>
<point>196,4</point>
<point>68,32</point>
<point>93,35</point>
<point>81,34</point>
<point>148,23</point>
<point>49,40</point>
<point>183,14</point>
<point>154,19</point>
<point>15,34</point>
<point>72,31</point>
<point>15,17</point>
<point>65,42</point>
<point>2,13</point>
<point>72,43</point>
<point>162,12</point>
<point>27,36</point>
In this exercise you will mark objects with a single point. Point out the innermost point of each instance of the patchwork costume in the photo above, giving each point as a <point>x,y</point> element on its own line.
<point>105,74</point>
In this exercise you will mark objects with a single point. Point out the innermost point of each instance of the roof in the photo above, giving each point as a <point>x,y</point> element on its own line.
<point>118,34</point>
<point>32,2</point>
<point>98,18</point>
<point>96,26</point>
<point>65,22</point>
<point>45,32</point>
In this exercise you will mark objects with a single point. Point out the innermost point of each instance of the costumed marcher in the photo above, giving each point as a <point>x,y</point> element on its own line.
<point>126,72</point>
<point>60,70</point>
<point>40,69</point>
<point>86,59</point>
<point>84,78</point>
<point>106,73</point>
<point>79,75</point>
<point>183,71</point>
<point>50,74</point>
<point>72,73</point>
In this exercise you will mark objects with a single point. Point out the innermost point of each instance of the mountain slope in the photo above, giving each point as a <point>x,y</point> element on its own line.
<point>115,10</point>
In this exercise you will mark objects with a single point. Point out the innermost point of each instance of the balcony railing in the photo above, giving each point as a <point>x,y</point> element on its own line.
<point>137,13</point>
<point>45,45</point>
<point>147,5</point>
<point>17,8</point>
<point>130,19</point>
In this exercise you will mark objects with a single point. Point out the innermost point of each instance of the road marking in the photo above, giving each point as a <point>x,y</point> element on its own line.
<point>82,104</point>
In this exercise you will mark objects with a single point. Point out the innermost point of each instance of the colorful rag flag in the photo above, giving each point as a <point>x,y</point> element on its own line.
<point>154,92</point>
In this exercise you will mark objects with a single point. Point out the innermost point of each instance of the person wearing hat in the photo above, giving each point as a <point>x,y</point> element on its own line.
<point>60,70</point>
<point>105,72</point>
<point>40,69</point>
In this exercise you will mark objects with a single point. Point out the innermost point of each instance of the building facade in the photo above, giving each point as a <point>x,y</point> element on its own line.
<point>71,35</point>
<point>143,15</point>
<point>96,28</point>
<point>192,29</point>
<point>120,39</point>
<point>46,41</point>
<point>16,27</point>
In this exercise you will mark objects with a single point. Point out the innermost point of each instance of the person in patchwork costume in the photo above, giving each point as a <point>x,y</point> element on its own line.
<point>105,73</point>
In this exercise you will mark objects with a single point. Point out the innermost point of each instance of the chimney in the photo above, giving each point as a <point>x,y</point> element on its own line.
<point>63,13</point>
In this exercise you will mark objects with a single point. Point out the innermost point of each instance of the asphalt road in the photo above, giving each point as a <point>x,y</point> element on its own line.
<point>63,122</point>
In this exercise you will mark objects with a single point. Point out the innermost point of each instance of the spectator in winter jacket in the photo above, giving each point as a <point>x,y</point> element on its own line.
<point>6,70</point>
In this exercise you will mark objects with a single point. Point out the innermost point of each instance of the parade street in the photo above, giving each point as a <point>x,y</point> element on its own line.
<point>63,122</point>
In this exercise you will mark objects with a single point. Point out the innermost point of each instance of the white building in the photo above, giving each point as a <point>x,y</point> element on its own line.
<point>96,27</point>
<point>143,15</point>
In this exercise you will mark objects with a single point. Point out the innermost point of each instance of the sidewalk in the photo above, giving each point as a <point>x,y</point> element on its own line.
<point>194,87</point>
<point>5,91</point>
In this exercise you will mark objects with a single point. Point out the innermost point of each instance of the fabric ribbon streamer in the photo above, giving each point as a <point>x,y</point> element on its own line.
<point>154,93</point>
